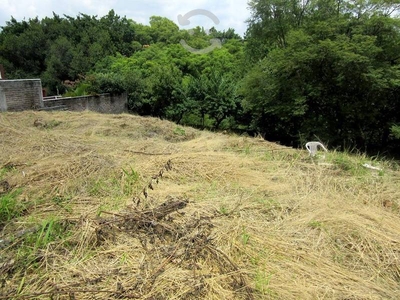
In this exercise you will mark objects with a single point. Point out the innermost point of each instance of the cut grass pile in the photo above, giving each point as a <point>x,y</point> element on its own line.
<point>118,206</point>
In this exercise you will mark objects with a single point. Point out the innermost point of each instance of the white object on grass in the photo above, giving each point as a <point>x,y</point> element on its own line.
<point>371,167</point>
<point>312,147</point>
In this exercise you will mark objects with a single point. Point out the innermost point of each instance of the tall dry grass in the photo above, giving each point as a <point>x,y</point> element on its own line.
<point>262,221</point>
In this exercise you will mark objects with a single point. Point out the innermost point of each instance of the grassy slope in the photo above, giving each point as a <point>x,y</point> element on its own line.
<point>276,225</point>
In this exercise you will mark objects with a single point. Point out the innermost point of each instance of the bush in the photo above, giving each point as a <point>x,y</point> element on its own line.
<point>396,131</point>
<point>100,83</point>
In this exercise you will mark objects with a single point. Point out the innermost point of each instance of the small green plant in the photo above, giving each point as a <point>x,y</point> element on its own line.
<point>49,230</point>
<point>395,129</point>
<point>131,177</point>
<point>179,131</point>
<point>316,224</point>
<point>10,207</point>
<point>96,188</point>
<point>350,163</point>
<point>254,260</point>
<point>262,282</point>
<point>245,237</point>
<point>45,234</point>
<point>268,156</point>
<point>102,187</point>
<point>223,210</point>
<point>115,204</point>
<point>247,149</point>
<point>343,163</point>
<point>124,258</point>
<point>131,174</point>
<point>3,171</point>
<point>62,201</point>
<point>268,202</point>
<point>52,124</point>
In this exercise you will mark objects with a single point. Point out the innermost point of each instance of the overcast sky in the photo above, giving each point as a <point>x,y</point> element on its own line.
<point>231,14</point>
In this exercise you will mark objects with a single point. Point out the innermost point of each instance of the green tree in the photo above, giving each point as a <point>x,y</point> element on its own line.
<point>328,68</point>
<point>214,95</point>
<point>23,45</point>
<point>269,24</point>
<point>58,64</point>
<point>120,33</point>
<point>164,30</point>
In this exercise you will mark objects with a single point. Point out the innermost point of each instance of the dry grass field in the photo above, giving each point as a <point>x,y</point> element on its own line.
<point>124,207</point>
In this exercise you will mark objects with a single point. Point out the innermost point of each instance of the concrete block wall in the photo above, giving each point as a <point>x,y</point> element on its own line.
<point>20,94</point>
<point>104,103</point>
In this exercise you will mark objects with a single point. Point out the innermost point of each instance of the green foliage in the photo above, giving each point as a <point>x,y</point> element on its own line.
<point>326,69</point>
<point>10,206</point>
<point>168,81</point>
<point>396,131</point>
<point>314,68</point>
<point>131,174</point>
<point>356,165</point>
<point>58,61</point>
<point>131,177</point>
<point>112,83</point>
<point>63,202</point>
<point>316,224</point>
<point>21,47</point>
<point>179,131</point>
<point>115,55</point>
<point>58,49</point>
<point>223,210</point>
<point>214,95</point>
<point>49,230</point>
<point>3,171</point>
<point>81,90</point>
<point>245,236</point>
<point>164,30</point>
<point>270,22</point>
<point>262,282</point>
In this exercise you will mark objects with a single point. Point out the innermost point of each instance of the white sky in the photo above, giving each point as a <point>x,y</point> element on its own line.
<point>231,14</point>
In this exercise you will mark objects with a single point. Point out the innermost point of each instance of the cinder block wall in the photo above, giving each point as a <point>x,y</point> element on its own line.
<point>20,94</point>
<point>105,103</point>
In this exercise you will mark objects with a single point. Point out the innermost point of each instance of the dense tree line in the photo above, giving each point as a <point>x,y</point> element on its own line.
<point>310,69</point>
<point>325,68</point>
<point>86,55</point>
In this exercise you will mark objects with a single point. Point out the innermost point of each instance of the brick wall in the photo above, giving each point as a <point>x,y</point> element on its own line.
<point>20,94</point>
<point>26,94</point>
<point>105,103</point>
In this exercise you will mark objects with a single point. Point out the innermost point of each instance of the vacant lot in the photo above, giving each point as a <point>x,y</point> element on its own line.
<point>119,206</point>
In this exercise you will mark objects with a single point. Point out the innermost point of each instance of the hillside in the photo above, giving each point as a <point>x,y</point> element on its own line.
<point>120,206</point>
